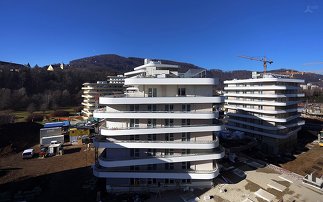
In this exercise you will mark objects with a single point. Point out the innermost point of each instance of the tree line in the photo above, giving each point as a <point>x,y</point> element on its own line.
<point>31,89</point>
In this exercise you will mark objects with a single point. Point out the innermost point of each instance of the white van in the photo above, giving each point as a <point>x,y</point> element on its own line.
<point>28,153</point>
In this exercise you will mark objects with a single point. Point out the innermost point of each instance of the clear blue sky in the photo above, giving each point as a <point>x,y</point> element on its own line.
<point>210,34</point>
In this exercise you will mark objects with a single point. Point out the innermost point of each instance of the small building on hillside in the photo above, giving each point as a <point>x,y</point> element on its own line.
<point>47,135</point>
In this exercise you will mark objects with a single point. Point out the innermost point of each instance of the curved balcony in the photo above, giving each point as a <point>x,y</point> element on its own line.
<point>88,96</point>
<point>86,112</point>
<point>278,120</point>
<point>158,174</point>
<point>140,99</point>
<point>263,95</point>
<point>277,136</point>
<point>155,115</point>
<point>278,127</point>
<point>261,111</point>
<point>262,80</point>
<point>88,104</point>
<point>269,103</point>
<point>171,81</point>
<point>115,144</point>
<point>108,163</point>
<point>264,87</point>
<point>159,130</point>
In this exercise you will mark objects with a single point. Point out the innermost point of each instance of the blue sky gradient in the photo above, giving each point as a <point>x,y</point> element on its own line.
<point>210,34</point>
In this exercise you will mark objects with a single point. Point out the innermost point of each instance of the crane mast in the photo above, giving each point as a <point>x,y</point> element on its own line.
<point>264,60</point>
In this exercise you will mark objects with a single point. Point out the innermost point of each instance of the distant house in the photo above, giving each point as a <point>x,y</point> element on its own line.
<point>50,68</point>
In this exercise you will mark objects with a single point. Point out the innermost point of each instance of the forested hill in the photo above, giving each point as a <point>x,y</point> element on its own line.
<point>119,64</point>
<point>24,87</point>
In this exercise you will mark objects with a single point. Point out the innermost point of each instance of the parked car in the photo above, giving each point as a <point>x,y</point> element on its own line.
<point>28,154</point>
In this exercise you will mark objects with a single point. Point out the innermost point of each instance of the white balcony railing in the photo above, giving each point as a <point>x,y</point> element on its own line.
<point>155,144</point>
<point>116,131</point>
<point>140,98</point>
<point>158,174</point>
<point>156,114</point>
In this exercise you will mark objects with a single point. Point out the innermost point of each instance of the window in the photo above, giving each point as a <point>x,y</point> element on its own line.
<point>134,137</point>
<point>152,167</point>
<point>152,92</point>
<point>186,107</point>
<point>186,181</point>
<point>152,108</point>
<point>186,136</point>
<point>169,166</point>
<point>134,123</point>
<point>151,123</point>
<point>181,92</point>
<point>186,151</point>
<point>169,122</point>
<point>132,168</point>
<point>134,181</point>
<point>134,108</point>
<point>151,137</point>
<point>186,165</point>
<point>169,108</point>
<point>186,122</point>
<point>151,181</point>
<point>169,151</point>
<point>151,152</point>
<point>169,137</point>
<point>134,152</point>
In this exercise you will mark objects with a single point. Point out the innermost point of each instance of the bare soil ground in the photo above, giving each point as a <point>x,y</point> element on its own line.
<point>307,162</point>
<point>59,178</point>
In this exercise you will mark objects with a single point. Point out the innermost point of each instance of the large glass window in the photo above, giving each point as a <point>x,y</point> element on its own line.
<point>151,137</point>
<point>169,122</point>
<point>169,137</point>
<point>134,123</point>
<point>152,92</point>
<point>169,107</point>
<point>181,92</point>
<point>151,123</point>
<point>186,107</point>
<point>186,122</point>
<point>152,108</point>
<point>186,165</point>
<point>134,107</point>
<point>134,152</point>
<point>134,137</point>
<point>186,136</point>
<point>169,166</point>
<point>151,152</point>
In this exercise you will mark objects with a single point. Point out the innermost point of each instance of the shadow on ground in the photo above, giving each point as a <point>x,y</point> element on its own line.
<point>5,171</point>
<point>70,185</point>
<point>71,150</point>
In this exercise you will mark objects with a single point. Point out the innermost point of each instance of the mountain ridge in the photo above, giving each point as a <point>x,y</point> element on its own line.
<point>115,64</point>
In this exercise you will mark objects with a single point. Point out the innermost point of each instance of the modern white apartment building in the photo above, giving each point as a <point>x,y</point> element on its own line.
<point>92,92</point>
<point>265,107</point>
<point>160,133</point>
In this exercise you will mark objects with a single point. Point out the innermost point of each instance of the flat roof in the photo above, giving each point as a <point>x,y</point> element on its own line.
<point>56,124</point>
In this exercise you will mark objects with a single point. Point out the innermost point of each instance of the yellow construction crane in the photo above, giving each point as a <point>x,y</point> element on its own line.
<point>264,60</point>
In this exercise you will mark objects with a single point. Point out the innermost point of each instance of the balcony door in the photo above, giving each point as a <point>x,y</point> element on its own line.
<point>152,92</point>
